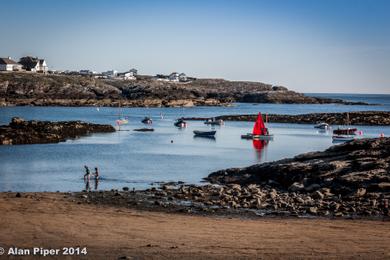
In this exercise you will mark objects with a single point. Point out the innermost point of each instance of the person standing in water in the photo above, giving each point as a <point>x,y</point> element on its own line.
<point>87,174</point>
<point>96,173</point>
<point>96,178</point>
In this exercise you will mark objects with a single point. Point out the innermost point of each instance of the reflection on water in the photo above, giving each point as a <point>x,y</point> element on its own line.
<point>260,148</point>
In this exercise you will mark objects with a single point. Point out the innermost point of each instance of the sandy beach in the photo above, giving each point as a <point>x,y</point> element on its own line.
<point>51,221</point>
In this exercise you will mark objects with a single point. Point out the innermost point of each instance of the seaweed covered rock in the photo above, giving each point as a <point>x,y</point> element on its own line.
<point>20,131</point>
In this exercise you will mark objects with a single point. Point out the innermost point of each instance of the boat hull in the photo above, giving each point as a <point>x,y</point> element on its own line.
<point>204,133</point>
<point>257,137</point>
<point>342,138</point>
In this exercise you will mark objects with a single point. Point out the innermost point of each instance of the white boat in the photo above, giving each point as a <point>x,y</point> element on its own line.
<point>214,122</point>
<point>180,123</point>
<point>322,126</point>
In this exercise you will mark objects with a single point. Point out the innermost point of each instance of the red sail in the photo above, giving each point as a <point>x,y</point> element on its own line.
<point>259,127</point>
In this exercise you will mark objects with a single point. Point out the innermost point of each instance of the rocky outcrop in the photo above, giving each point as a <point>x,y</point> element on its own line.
<point>344,168</point>
<point>355,118</point>
<point>352,177</point>
<point>20,131</point>
<point>67,90</point>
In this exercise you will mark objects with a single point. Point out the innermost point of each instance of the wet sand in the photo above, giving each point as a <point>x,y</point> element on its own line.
<point>52,221</point>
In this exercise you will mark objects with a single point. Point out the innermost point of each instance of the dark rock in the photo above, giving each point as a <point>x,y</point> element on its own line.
<point>20,131</point>
<point>334,169</point>
<point>18,195</point>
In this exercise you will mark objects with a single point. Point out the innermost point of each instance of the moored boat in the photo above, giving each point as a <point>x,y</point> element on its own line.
<point>213,121</point>
<point>204,133</point>
<point>147,120</point>
<point>180,123</point>
<point>345,131</point>
<point>322,125</point>
<point>260,132</point>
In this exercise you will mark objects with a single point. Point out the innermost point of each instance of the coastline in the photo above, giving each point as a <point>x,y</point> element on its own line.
<point>28,89</point>
<point>110,233</point>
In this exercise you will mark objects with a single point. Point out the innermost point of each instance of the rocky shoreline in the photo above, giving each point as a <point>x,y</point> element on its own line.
<point>350,180</point>
<point>27,89</point>
<point>20,131</point>
<point>355,118</point>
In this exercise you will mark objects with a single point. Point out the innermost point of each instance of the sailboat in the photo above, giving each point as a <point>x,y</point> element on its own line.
<point>121,120</point>
<point>260,132</point>
<point>344,134</point>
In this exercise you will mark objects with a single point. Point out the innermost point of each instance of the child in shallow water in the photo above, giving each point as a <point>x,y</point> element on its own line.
<point>96,173</point>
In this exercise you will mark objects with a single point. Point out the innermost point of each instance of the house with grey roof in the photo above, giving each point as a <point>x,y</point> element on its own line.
<point>7,64</point>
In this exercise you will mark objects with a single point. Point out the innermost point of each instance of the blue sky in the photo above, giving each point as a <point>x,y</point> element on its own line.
<point>306,45</point>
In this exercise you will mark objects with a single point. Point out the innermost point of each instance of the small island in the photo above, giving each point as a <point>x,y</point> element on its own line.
<point>20,131</point>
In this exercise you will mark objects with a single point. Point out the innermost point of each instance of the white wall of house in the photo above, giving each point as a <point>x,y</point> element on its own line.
<point>6,67</point>
<point>10,67</point>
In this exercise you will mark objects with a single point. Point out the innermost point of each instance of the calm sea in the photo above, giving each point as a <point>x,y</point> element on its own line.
<point>135,159</point>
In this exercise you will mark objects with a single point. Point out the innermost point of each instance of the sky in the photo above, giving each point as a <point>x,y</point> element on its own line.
<point>340,46</point>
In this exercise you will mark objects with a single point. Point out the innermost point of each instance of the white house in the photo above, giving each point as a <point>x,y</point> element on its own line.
<point>7,64</point>
<point>128,75</point>
<point>34,64</point>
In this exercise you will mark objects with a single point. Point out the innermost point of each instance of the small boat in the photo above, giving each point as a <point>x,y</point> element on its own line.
<point>347,130</point>
<point>122,121</point>
<point>180,123</point>
<point>204,133</point>
<point>260,132</point>
<point>147,120</point>
<point>322,126</point>
<point>212,121</point>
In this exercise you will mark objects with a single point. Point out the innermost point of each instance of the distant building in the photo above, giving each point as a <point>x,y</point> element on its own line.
<point>174,76</point>
<point>182,77</point>
<point>87,72</point>
<point>128,75</point>
<point>134,71</point>
<point>34,64</point>
<point>7,64</point>
<point>110,73</point>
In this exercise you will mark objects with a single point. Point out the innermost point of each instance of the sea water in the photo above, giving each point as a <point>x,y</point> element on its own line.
<point>138,159</point>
